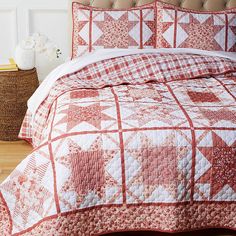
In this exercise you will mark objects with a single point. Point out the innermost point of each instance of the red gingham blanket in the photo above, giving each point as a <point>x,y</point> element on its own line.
<point>140,142</point>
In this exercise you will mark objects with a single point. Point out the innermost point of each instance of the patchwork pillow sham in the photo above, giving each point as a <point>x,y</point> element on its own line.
<point>183,28</point>
<point>96,28</point>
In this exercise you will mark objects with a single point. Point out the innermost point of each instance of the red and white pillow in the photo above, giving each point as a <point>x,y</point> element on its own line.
<point>182,28</point>
<point>155,25</point>
<point>98,28</point>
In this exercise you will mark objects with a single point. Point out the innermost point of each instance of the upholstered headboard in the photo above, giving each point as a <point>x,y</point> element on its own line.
<point>203,5</point>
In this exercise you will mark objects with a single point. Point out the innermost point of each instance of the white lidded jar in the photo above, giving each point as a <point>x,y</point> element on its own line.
<point>25,55</point>
<point>25,58</point>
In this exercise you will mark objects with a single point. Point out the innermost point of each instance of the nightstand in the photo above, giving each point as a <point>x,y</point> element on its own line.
<point>15,90</point>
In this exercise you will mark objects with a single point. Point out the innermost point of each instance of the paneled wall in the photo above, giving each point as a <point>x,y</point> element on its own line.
<point>20,18</point>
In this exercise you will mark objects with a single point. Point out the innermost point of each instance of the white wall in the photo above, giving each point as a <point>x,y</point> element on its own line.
<point>21,18</point>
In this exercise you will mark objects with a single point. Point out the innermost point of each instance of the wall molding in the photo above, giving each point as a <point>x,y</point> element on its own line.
<point>12,29</point>
<point>29,16</point>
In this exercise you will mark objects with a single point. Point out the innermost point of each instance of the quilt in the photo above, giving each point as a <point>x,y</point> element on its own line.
<point>137,142</point>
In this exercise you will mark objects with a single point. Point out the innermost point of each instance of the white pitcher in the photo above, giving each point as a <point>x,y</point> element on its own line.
<point>25,58</point>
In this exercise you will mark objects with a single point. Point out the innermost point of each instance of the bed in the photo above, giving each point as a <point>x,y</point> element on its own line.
<point>135,133</point>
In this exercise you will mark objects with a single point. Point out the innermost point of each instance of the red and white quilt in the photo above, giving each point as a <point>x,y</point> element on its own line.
<point>139,142</point>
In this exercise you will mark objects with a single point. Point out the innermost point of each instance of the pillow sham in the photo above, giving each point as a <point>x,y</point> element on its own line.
<point>96,28</point>
<point>183,28</point>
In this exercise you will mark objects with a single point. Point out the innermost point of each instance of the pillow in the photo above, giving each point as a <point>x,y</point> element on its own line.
<point>182,28</point>
<point>96,28</point>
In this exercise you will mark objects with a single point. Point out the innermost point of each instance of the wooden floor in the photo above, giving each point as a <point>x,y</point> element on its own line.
<point>11,154</point>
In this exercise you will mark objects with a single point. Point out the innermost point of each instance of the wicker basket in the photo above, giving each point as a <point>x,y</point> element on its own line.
<point>15,89</point>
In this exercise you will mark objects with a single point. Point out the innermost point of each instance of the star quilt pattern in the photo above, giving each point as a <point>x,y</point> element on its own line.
<point>97,29</point>
<point>140,142</point>
<point>182,28</point>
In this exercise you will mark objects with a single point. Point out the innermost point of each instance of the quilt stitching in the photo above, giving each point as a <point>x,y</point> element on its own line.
<point>102,69</point>
<point>178,28</point>
<point>119,216</point>
<point>122,155</point>
<point>53,161</point>
<point>96,29</point>
<point>193,136</point>
<point>138,123</point>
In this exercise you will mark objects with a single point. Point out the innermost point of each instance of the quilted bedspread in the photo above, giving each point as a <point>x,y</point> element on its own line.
<point>140,142</point>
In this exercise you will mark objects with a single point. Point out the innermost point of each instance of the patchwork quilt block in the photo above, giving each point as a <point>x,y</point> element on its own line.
<point>141,142</point>
<point>180,28</point>
<point>98,28</point>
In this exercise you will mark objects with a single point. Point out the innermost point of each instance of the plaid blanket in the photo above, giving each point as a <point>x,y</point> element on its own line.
<point>141,142</point>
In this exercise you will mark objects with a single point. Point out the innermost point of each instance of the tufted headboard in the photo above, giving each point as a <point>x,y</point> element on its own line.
<point>202,5</point>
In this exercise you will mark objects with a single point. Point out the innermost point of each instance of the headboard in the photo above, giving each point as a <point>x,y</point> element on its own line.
<point>202,5</point>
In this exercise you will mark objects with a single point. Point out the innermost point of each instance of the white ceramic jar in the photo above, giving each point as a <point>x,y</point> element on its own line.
<point>25,58</point>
